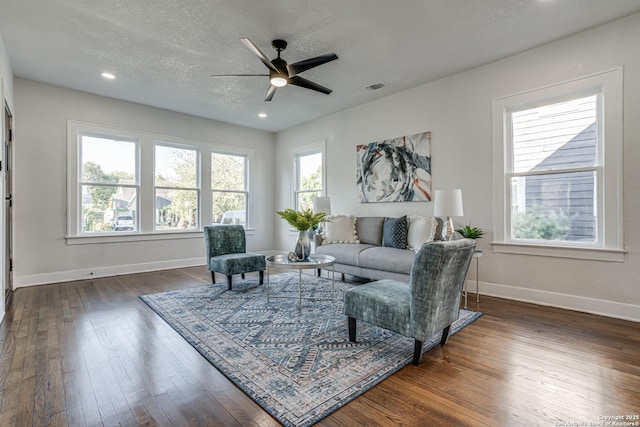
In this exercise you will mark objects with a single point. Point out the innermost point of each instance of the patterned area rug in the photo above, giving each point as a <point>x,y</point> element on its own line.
<point>298,367</point>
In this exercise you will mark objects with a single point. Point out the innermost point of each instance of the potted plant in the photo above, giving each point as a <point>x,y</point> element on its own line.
<point>470,232</point>
<point>302,221</point>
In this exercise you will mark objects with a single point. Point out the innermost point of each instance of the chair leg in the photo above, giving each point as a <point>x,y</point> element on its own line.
<point>229,282</point>
<point>352,329</point>
<point>417,352</point>
<point>213,278</point>
<point>261,274</point>
<point>445,335</point>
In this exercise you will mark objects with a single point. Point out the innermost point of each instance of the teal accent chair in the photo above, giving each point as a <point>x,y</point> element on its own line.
<point>420,309</point>
<point>226,253</point>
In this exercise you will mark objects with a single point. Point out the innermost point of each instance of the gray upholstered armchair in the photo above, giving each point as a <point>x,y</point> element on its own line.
<point>226,253</point>
<point>419,309</point>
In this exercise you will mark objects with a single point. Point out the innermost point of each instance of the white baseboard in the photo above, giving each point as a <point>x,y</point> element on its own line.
<point>614,309</point>
<point>553,299</point>
<point>90,273</point>
<point>118,270</point>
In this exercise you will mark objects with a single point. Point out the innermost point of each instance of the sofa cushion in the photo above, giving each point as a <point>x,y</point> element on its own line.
<point>341,229</point>
<point>370,229</point>
<point>394,232</point>
<point>422,229</point>
<point>344,254</point>
<point>387,259</point>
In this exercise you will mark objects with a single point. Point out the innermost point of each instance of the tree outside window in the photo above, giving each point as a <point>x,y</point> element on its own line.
<point>309,176</point>
<point>229,188</point>
<point>176,187</point>
<point>108,184</point>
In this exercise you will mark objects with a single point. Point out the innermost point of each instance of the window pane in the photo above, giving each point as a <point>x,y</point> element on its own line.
<point>107,161</point>
<point>229,208</point>
<point>305,200</point>
<point>310,172</point>
<point>554,207</point>
<point>176,209</point>
<point>106,208</point>
<point>227,172</point>
<point>561,135</point>
<point>175,167</point>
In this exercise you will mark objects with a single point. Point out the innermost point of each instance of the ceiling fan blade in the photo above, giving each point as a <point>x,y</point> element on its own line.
<point>239,75</point>
<point>253,48</point>
<point>270,92</point>
<point>308,84</point>
<point>301,66</point>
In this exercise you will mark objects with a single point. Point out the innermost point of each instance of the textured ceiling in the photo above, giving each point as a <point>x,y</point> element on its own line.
<point>164,51</point>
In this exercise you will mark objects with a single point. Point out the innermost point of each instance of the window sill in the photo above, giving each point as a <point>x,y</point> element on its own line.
<point>592,254</point>
<point>138,237</point>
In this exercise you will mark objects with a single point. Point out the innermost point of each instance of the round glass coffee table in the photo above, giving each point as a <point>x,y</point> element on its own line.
<point>315,262</point>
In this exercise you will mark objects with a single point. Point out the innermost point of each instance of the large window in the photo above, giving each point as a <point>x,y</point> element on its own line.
<point>309,177</point>
<point>125,185</point>
<point>176,187</point>
<point>108,183</point>
<point>558,166</point>
<point>229,193</point>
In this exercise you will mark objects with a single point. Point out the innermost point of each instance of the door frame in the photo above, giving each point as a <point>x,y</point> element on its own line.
<point>6,223</point>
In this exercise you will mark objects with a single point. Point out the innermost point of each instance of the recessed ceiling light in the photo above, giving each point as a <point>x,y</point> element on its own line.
<point>262,115</point>
<point>108,76</point>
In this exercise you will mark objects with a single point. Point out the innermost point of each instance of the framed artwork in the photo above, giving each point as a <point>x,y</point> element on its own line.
<point>395,170</point>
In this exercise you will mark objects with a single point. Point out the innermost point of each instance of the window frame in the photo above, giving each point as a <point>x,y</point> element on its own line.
<point>608,188</point>
<point>75,182</point>
<point>145,202</point>
<point>307,150</point>
<point>248,217</point>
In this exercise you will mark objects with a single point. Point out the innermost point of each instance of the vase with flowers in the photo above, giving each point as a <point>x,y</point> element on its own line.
<point>302,221</point>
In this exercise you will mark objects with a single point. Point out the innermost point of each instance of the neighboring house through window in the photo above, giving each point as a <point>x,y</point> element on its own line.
<point>130,185</point>
<point>108,184</point>
<point>558,170</point>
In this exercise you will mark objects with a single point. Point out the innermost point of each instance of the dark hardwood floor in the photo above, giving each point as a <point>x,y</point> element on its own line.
<point>90,353</point>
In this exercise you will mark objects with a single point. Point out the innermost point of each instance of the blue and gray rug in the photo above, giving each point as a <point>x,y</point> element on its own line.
<point>298,367</point>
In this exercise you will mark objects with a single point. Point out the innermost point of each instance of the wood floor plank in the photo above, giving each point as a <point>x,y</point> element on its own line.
<point>91,353</point>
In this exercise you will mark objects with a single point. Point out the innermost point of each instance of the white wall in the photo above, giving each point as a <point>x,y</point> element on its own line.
<point>457,111</point>
<point>5,71</point>
<point>41,253</point>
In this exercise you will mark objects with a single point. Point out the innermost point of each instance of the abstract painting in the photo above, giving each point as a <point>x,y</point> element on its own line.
<point>395,170</point>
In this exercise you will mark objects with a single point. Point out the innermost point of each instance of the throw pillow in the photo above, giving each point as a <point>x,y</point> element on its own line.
<point>370,229</point>
<point>341,229</point>
<point>394,232</point>
<point>422,229</point>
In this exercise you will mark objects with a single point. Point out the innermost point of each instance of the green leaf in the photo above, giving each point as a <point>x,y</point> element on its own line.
<point>302,220</point>
<point>470,232</point>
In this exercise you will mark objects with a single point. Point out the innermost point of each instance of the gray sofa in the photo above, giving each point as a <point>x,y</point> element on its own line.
<point>369,258</point>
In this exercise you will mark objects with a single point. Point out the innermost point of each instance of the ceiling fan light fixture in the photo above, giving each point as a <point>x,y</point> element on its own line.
<point>279,79</point>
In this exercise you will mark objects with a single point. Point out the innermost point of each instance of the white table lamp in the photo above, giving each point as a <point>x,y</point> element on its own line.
<point>448,203</point>
<point>322,204</point>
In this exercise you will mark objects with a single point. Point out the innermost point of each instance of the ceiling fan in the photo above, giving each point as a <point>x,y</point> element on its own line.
<point>281,73</point>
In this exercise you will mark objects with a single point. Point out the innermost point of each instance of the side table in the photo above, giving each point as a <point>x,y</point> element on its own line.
<point>476,255</point>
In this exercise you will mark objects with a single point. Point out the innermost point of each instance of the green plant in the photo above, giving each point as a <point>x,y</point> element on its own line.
<point>539,225</point>
<point>470,232</point>
<point>302,220</point>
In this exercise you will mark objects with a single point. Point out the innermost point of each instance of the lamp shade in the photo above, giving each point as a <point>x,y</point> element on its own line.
<point>322,204</point>
<point>448,203</point>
